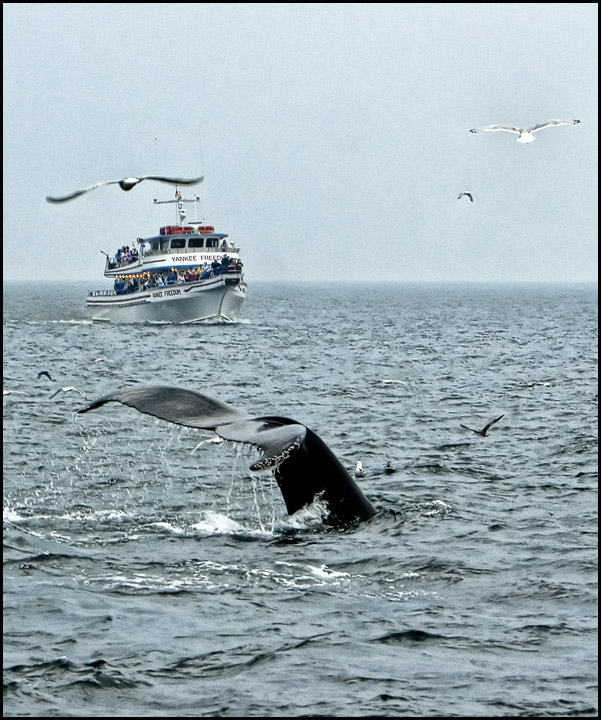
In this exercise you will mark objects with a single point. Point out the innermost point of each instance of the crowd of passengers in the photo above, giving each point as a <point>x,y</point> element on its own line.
<point>124,256</point>
<point>174,277</point>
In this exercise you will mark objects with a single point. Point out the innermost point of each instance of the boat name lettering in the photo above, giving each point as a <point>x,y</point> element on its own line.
<point>160,293</point>
<point>199,257</point>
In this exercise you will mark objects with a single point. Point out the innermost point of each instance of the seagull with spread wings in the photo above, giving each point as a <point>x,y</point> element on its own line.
<point>69,388</point>
<point>126,184</point>
<point>485,429</point>
<point>526,135</point>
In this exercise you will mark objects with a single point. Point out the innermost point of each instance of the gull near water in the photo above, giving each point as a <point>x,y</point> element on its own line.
<point>469,195</point>
<point>485,429</point>
<point>126,184</point>
<point>526,135</point>
<point>69,388</point>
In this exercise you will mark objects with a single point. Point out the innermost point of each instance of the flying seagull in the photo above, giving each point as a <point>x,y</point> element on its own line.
<point>215,440</point>
<point>469,195</point>
<point>126,184</point>
<point>67,388</point>
<point>526,136</point>
<point>485,429</point>
<point>45,373</point>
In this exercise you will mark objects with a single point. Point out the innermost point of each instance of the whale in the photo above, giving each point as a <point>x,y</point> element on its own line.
<point>304,467</point>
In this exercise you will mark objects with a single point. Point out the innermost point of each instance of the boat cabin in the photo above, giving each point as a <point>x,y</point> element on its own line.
<point>174,238</point>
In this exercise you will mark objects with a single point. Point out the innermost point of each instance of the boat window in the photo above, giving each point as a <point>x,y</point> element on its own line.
<point>178,243</point>
<point>212,242</point>
<point>195,242</point>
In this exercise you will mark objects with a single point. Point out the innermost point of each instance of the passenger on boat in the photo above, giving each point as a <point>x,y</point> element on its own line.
<point>172,277</point>
<point>160,281</point>
<point>126,255</point>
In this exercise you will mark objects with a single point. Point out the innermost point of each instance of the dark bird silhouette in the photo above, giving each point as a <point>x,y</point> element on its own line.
<point>525,135</point>
<point>45,373</point>
<point>126,184</point>
<point>469,195</point>
<point>485,429</point>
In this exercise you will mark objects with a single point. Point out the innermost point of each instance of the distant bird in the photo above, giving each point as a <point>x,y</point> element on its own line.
<point>469,195</point>
<point>215,440</point>
<point>46,373</point>
<point>126,184</point>
<point>359,471</point>
<point>485,429</point>
<point>389,469</point>
<point>68,388</point>
<point>526,136</point>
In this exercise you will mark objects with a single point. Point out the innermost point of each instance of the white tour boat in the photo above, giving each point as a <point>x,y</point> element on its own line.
<point>188,273</point>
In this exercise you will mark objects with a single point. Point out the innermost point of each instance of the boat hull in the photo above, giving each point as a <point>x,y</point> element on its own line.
<point>216,300</point>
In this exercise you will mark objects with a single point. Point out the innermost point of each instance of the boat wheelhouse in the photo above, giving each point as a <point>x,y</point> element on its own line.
<point>187,273</point>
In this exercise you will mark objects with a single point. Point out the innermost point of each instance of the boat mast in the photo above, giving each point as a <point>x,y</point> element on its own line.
<point>180,210</point>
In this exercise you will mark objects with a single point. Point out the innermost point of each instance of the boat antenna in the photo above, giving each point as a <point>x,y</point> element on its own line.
<point>197,200</point>
<point>179,200</point>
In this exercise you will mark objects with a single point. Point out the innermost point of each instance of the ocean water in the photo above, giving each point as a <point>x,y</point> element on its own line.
<point>146,574</point>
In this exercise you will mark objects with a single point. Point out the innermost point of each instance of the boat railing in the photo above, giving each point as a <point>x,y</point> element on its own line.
<point>180,251</point>
<point>101,293</point>
<point>232,275</point>
<point>114,265</point>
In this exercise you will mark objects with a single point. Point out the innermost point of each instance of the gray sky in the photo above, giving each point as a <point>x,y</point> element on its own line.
<point>333,137</point>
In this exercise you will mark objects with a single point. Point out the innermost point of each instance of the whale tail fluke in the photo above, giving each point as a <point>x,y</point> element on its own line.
<point>305,468</point>
<point>182,407</point>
